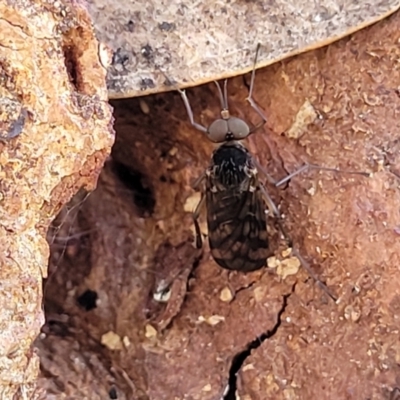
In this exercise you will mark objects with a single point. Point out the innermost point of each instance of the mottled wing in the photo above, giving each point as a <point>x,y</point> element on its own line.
<point>237,226</point>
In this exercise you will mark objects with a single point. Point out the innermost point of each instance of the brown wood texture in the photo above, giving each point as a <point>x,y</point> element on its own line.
<point>55,128</point>
<point>106,336</point>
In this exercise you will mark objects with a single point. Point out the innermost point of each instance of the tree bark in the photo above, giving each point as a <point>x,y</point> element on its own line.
<point>56,131</point>
<point>270,334</point>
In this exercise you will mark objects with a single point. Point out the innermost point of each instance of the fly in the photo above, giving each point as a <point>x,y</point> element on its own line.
<point>236,219</point>
<point>234,197</point>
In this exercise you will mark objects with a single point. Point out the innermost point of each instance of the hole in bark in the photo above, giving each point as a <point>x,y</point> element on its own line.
<point>136,183</point>
<point>113,393</point>
<point>73,49</point>
<point>70,63</point>
<point>240,358</point>
<point>87,300</point>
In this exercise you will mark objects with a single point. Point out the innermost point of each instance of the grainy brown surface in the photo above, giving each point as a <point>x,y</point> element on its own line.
<point>55,133</point>
<point>107,260</point>
<point>350,349</point>
<point>194,42</point>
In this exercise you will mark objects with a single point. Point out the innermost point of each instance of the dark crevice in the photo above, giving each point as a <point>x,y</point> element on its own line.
<point>192,273</point>
<point>113,393</point>
<point>72,49</point>
<point>240,358</point>
<point>87,300</point>
<point>136,182</point>
<point>70,63</point>
<point>245,287</point>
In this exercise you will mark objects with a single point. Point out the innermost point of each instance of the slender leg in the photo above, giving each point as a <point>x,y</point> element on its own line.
<point>310,272</point>
<point>187,105</point>
<point>190,112</point>
<point>306,167</point>
<point>259,125</point>
<point>198,181</point>
<point>196,213</point>
<point>274,210</point>
<point>270,204</point>
<point>250,99</point>
<point>263,171</point>
<point>277,215</point>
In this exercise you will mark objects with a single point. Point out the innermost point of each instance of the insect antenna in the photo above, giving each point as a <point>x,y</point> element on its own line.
<point>223,96</point>
<point>226,92</point>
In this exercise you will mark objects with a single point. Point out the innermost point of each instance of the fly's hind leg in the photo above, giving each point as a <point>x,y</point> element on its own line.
<point>275,212</point>
<point>273,209</point>
<point>190,112</point>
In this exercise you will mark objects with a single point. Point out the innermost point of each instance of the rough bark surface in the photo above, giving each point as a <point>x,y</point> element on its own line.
<point>194,42</point>
<point>106,335</point>
<point>55,128</point>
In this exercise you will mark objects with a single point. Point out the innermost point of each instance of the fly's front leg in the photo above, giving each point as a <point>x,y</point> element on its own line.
<point>250,99</point>
<point>190,112</point>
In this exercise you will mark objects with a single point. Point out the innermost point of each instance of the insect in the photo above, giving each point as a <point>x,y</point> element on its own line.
<point>236,216</point>
<point>234,197</point>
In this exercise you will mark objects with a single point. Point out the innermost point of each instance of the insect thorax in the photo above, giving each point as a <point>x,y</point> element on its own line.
<point>231,166</point>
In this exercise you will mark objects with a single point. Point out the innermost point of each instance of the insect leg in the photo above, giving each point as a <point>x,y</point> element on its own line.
<point>274,210</point>
<point>190,112</point>
<point>196,214</point>
<point>261,169</point>
<point>250,99</point>
<point>310,272</point>
<point>305,167</point>
<point>198,181</point>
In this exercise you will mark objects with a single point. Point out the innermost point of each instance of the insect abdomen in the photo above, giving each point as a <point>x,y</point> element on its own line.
<point>238,243</point>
